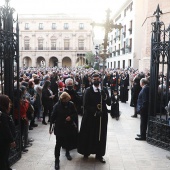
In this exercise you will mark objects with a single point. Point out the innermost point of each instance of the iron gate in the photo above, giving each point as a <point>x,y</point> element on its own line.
<point>9,65</point>
<point>159,125</point>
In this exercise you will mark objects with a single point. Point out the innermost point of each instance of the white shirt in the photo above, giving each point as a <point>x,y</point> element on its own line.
<point>95,88</point>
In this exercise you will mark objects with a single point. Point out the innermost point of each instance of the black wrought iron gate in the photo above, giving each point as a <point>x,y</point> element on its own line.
<point>9,65</point>
<point>159,124</point>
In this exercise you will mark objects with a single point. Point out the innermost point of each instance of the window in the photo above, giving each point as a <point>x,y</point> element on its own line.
<point>26,26</point>
<point>124,31</point>
<point>40,44</point>
<point>26,43</point>
<point>66,44</point>
<point>118,64</point>
<point>123,63</point>
<point>130,29</point>
<point>81,44</point>
<point>40,26</point>
<point>81,26</point>
<point>53,44</point>
<point>114,64</point>
<point>130,62</point>
<point>66,26</point>
<point>124,12</point>
<point>53,26</point>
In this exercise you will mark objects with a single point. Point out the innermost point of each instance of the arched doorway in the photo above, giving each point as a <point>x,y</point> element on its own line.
<point>41,62</point>
<point>27,62</point>
<point>53,62</point>
<point>80,61</point>
<point>66,62</point>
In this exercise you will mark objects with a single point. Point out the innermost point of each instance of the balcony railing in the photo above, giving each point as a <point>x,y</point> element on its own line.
<point>54,48</point>
<point>130,30</point>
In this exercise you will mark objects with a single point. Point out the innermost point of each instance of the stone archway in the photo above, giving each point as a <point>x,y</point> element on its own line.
<point>66,62</point>
<point>27,62</point>
<point>53,62</point>
<point>80,61</point>
<point>41,62</point>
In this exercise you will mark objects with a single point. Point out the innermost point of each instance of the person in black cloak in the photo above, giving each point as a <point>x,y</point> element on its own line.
<point>63,117</point>
<point>93,130</point>
<point>115,105</point>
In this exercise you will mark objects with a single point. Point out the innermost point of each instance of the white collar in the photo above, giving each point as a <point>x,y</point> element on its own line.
<point>95,88</point>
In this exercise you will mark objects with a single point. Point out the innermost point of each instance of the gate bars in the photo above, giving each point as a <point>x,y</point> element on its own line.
<point>158,124</point>
<point>9,65</point>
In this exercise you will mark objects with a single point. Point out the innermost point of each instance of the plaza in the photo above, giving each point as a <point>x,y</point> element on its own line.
<point>123,151</point>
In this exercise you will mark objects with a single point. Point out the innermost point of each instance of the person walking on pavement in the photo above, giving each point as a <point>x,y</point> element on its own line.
<point>93,130</point>
<point>63,117</point>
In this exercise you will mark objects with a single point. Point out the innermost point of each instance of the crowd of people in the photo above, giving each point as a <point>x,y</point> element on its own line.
<point>58,95</point>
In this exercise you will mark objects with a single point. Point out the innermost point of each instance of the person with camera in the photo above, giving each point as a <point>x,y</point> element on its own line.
<point>93,130</point>
<point>63,117</point>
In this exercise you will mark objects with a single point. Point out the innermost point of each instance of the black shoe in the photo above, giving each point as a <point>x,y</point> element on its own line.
<point>86,156</point>
<point>34,125</point>
<point>134,116</point>
<point>68,156</point>
<point>30,140</point>
<point>44,123</point>
<point>30,128</point>
<point>57,166</point>
<point>28,145</point>
<point>140,138</point>
<point>101,159</point>
<point>117,118</point>
<point>25,150</point>
<point>138,135</point>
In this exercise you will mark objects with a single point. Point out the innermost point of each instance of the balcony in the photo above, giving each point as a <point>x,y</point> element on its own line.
<point>124,34</point>
<point>123,50</point>
<point>118,52</point>
<point>118,37</point>
<point>130,30</point>
<point>128,49</point>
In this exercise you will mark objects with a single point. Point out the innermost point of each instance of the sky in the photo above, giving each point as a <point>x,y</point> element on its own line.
<point>95,9</point>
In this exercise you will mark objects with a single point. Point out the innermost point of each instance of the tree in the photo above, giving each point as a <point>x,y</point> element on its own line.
<point>90,58</point>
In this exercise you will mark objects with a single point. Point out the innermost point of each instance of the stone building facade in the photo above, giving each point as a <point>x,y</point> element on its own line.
<point>131,46</point>
<point>54,40</point>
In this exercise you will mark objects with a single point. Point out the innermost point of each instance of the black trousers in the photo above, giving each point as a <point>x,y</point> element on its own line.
<point>61,141</point>
<point>143,124</point>
<point>47,110</point>
<point>4,155</point>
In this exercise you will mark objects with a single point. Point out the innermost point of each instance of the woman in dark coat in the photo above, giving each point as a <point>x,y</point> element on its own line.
<point>47,101</point>
<point>7,132</point>
<point>63,116</point>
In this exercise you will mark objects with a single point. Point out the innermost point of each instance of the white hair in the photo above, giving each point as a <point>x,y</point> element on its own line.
<point>68,81</point>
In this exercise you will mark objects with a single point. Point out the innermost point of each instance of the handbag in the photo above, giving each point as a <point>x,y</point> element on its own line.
<point>30,112</point>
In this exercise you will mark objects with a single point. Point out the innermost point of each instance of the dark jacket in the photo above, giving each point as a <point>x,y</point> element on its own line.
<point>7,129</point>
<point>62,128</point>
<point>59,115</point>
<point>46,100</point>
<point>143,100</point>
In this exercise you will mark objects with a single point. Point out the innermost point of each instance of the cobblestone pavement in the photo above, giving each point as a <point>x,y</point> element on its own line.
<point>123,151</point>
